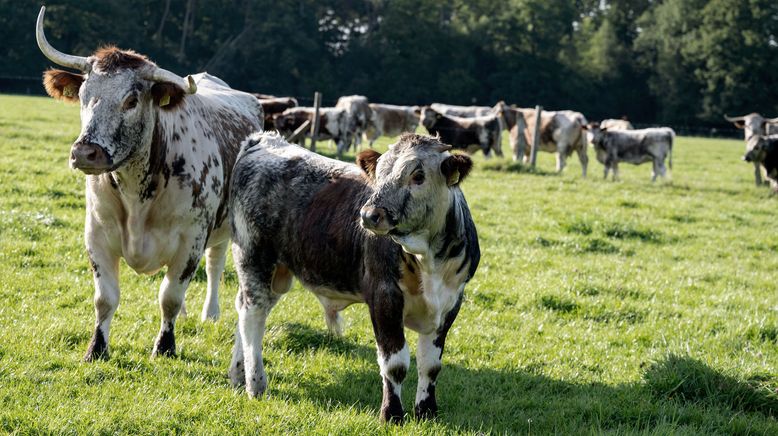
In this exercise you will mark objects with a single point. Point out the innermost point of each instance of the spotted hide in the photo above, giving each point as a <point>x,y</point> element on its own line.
<point>158,159</point>
<point>395,234</point>
<point>391,120</point>
<point>633,146</point>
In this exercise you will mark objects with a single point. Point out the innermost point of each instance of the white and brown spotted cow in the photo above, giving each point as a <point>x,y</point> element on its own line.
<point>395,234</point>
<point>158,159</point>
<point>633,146</point>
<point>561,132</point>
<point>754,125</point>
<point>358,109</point>
<point>391,120</point>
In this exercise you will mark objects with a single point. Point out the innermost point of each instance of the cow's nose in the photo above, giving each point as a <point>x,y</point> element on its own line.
<point>88,155</point>
<point>372,216</point>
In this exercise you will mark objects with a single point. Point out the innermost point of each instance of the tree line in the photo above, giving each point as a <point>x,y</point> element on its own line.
<point>671,61</point>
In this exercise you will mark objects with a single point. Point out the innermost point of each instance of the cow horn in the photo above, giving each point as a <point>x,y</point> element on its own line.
<point>156,74</point>
<point>772,120</point>
<point>734,119</point>
<point>76,62</point>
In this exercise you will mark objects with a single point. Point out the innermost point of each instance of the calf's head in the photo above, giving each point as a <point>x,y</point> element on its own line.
<point>412,186</point>
<point>119,92</point>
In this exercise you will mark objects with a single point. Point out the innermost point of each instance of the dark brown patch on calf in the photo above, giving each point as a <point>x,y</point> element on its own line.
<point>111,59</point>
<point>409,276</point>
<point>62,85</point>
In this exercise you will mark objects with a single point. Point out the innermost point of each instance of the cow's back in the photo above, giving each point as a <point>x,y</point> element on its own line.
<point>307,208</point>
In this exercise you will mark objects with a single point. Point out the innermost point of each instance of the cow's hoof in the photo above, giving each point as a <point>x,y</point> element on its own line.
<point>209,315</point>
<point>165,345</point>
<point>256,385</point>
<point>98,348</point>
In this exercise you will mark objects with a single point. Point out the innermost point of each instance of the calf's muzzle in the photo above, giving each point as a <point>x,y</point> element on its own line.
<point>375,220</point>
<point>89,157</point>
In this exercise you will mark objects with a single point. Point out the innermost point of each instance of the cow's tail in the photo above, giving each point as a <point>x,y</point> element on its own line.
<point>670,157</point>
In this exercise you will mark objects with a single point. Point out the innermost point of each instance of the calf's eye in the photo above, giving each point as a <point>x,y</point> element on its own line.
<point>131,102</point>
<point>417,178</point>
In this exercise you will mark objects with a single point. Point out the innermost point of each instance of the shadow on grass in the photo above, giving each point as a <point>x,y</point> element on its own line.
<point>676,392</point>
<point>515,167</point>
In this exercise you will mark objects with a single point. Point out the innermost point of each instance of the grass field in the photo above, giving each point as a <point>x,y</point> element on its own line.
<point>624,307</point>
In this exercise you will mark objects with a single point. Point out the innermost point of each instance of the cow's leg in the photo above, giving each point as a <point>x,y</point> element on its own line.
<point>171,299</point>
<point>332,315</point>
<point>429,353</point>
<point>758,173</point>
<point>655,169</point>
<point>615,168</point>
<point>386,313</point>
<point>605,174</point>
<point>560,160</point>
<point>583,157</point>
<point>105,271</point>
<point>341,147</point>
<point>261,284</point>
<point>214,267</point>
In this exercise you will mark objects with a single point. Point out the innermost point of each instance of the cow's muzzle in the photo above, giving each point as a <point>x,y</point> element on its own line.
<point>90,158</point>
<point>376,220</point>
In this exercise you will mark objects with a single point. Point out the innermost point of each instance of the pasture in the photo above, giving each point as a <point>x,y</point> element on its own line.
<point>624,307</point>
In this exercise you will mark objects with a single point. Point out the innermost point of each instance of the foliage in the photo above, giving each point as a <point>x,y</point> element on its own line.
<point>671,61</point>
<point>599,307</point>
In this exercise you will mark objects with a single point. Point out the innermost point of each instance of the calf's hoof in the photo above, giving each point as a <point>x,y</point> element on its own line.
<point>98,348</point>
<point>165,345</point>
<point>209,315</point>
<point>392,413</point>
<point>427,409</point>
<point>255,387</point>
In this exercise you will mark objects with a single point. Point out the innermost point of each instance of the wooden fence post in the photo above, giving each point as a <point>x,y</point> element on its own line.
<point>315,125</point>
<point>536,136</point>
<point>299,132</point>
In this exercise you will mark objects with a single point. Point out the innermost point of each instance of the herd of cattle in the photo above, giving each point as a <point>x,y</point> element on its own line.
<point>176,167</point>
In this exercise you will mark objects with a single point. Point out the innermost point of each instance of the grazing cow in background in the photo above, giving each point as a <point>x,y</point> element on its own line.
<point>633,146</point>
<point>391,120</point>
<point>561,132</point>
<point>753,125</point>
<point>764,149</point>
<point>333,124</point>
<point>513,121</point>
<point>463,111</point>
<point>359,113</point>
<point>469,134</point>
<point>613,124</point>
<point>273,106</point>
<point>396,235</point>
<point>158,159</point>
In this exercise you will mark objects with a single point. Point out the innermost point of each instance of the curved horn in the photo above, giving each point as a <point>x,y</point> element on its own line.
<point>76,62</point>
<point>734,119</point>
<point>157,74</point>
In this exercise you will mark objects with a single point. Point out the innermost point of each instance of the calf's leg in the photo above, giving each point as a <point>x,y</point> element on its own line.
<point>214,267</point>
<point>758,173</point>
<point>429,354</point>
<point>393,356</point>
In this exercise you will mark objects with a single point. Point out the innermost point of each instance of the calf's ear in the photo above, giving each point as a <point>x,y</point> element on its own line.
<point>62,85</point>
<point>167,95</point>
<point>367,160</point>
<point>455,168</point>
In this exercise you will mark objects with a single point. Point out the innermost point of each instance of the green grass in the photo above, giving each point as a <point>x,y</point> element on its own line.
<point>624,307</point>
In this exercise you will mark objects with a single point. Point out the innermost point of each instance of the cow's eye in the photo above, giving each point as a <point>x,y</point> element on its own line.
<point>131,102</point>
<point>417,178</point>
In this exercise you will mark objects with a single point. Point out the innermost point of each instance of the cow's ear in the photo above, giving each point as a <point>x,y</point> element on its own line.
<point>167,95</point>
<point>367,160</point>
<point>455,168</point>
<point>62,85</point>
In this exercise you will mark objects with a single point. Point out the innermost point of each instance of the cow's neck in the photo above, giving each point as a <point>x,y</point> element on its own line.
<point>142,176</point>
<point>443,243</point>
